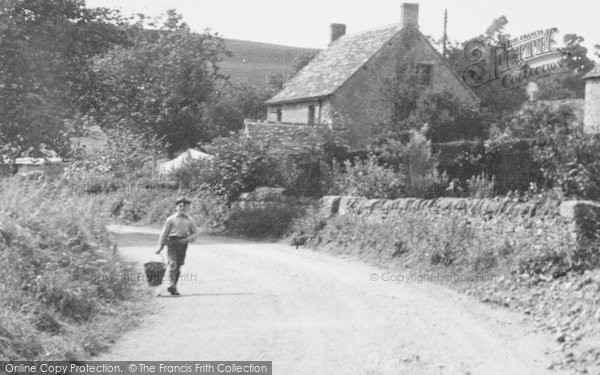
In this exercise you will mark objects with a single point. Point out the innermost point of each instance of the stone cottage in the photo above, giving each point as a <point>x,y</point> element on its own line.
<point>342,88</point>
<point>591,117</point>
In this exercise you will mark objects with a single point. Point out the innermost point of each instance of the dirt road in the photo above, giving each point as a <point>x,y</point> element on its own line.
<point>311,313</point>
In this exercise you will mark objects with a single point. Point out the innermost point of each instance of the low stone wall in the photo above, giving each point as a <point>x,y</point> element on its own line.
<point>289,138</point>
<point>579,219</point>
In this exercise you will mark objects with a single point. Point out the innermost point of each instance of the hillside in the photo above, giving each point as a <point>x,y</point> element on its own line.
<point>253,62</point>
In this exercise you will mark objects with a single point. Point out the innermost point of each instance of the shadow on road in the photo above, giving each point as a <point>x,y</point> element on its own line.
<point>208,295</point>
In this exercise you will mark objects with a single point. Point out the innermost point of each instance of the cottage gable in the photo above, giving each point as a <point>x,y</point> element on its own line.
<point>346,88</point>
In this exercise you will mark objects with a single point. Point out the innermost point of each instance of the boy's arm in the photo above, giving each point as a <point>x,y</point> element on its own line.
<point>162,240</point>
<point>193,231</point>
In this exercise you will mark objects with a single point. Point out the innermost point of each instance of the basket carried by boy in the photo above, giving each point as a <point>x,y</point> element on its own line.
<point>155,272</point>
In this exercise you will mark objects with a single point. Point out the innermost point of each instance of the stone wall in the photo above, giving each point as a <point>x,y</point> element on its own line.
<point>579,220</point>
<point>287,138</point>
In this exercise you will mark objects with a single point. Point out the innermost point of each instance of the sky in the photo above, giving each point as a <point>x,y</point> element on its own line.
<point>306,23</point>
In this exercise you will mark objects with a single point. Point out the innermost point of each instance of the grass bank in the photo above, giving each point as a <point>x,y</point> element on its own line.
<point>63,293</point>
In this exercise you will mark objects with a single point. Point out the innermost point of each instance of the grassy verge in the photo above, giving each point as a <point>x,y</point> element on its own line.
<point>139,205</point>
<point>63,294</point>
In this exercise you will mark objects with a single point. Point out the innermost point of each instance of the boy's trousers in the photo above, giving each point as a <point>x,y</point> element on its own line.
<point>176,249</point>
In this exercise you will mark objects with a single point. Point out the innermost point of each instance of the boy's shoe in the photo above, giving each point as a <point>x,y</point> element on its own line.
<point>173,291</point>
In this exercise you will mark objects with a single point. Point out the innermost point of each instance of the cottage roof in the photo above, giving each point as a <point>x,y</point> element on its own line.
<point>595,73</point>
<point>334,65</point>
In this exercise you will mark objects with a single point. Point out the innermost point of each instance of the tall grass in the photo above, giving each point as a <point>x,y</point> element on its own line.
<point>64,291</point>
<point>463,243</point>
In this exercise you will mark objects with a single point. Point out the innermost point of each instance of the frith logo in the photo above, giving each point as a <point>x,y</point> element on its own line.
<point>516,62</point>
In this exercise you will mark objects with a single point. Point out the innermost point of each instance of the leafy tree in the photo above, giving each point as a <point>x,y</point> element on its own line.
<point>569,84</point>
<point>540,120</point>
<point>496,30</point>
<point>127,155</point>
<point>232,104</point>
<point>44,72</point>
<point>503,101</point>
<point>161,85</point>
<point>566,155</point>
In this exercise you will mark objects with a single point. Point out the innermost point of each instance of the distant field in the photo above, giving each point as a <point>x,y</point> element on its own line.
<point>253,62</point>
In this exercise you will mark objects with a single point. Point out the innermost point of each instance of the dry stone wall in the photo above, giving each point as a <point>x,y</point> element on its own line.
<point>568,221</point>
<point>289,139</point>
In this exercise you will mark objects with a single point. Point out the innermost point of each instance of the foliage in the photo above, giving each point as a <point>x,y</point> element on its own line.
<point>62,283</point>
<point>501,101</point>
<point>240,165</point>
<point>539,120</point>
<point>152,206</point>
<point>308,173</point>
<point>569,84</point>
<point>513,163</point>
<point>570,161</point>
<point>366,178</point>
<point>45,76</point>
<point>419,162</point>
<point>270,221</point>
<point>414,105</point>
<point>481,186</point>
<point>231,105</point>
<point>415,161</point>
<point>422,240</point>
<point>127,156</point>
<point>461,159</point>
<point>161,85</point>
<point>450,119</point>
<point>565,155</point>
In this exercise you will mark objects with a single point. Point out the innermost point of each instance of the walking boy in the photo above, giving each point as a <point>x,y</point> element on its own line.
<point>179,229</point>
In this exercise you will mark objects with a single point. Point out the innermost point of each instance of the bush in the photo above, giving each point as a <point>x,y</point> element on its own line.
<point>270,221</point>
<point>571,162</point>
<point>367,179</point>
<point>308,173</point>
<point>481,186</point>
<point>513,164</point>
<point>154,206</point>
<point>393,170</point>
<point>461,159</point>
<point>419,165</point>
<point>127,156</point>
<point>450,119</point>
<point>240,165</point>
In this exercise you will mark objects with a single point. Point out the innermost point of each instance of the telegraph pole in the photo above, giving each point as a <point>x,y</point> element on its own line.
<point>445,35</point>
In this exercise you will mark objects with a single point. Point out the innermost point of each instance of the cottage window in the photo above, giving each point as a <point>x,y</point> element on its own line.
<point>424,74</point>
<point>311,115</point>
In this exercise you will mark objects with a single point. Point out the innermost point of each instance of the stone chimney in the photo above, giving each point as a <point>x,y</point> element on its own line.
<point>337,30</point>
<point>410,14</point>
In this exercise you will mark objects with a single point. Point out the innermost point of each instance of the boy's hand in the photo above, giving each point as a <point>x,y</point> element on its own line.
<point>159,250</point>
